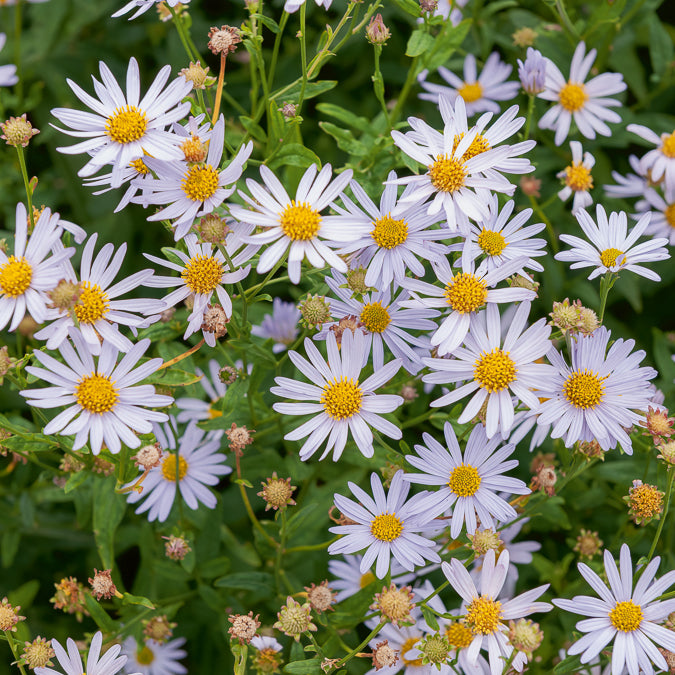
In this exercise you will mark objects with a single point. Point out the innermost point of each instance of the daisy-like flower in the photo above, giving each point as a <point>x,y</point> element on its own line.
<point>479,92</point>
<point>465,293</point>
<point>294,5</point>
<point>585,102</point>
<point>103,403</point>
<point>450,9</point>
<point>142,6</point>
<point>108,664</point>
<point>627,615</point>
<point>532,72</point>
<point>403,639</point>
<point>192,189</point>
<point>662,209</point>
<point>630,185</point>
<point>296,225</point>
<point>386,526</point>
<point>395,235</point>
<point>496,368</point>
<point>385,322</point>
<point>123,128</point>
<point>96,310</point>
<point>27,274</point>
<point>8,76</point>
<point>611,248</point>
<point>193,463</point>
<point>598,396</point>
<point>202,273</point>
<point>485,613</point>
<point>155,658</point>
<point>468,481</point>
<point>660,161</point>
<point>578,178</point>
<point>281,325</point>
<point>338,401</point>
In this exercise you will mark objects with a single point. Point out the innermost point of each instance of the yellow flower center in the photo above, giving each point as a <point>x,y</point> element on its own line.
<point>202,274</point>
<point>626,616</point>
<point>447,174</point>
<point>386,527</point>
<point>213,413</point>
<point>389,233</point>
<point>478,145</point>
<point>126,124</point>
<point>342,398</point>
<point>669,213</point>
<point>169,468</point>
<point>96,393</point>
<point>458,635</point>
<point>140,167</point>
<point>465,293</point>
<point>646,500</point>
<point>15,276</point>
<point>483,615</point>
<point>193,149</point>
<point>584,389</point>
<point>405,648</point>
<point>470,91</point>
<point>366,579</point>
<point>92,304</point>
<point>609,255</point>
<point>578,177</point>
<point>573,96</point>
<point>464,480</point>
<point>668,145</point>
<point>145,656</point>
<point>200,182</point>
<point>492,243</point>
<point>300,222</point>
<point>375,317</point>
<point>494,370</point>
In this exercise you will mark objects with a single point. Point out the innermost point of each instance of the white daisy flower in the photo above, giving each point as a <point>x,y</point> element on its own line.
<point>103,403</point>
<point>450,9</point>
<point>192,189</point>
<point>27,274</point>
<point>338,401</point>
<point>611,247</point>
<point>403,639</point>
<point>196,134</point>
<point>296,225</point>
<point>585,102</point>
<point>395,235</point>
<point>496,368</point>
<point>578,178</point>
<point>660,161</point>
<point>479,92</point>
<point>630,185</point>
<point>8,76</point>
<point>122,128</point>
<point>108,664</point>
<point>264,642</point>
<point>385,525</point>
<point>468,482</point>
<point>596,398</point>
<point>96,311</point>
<point>465,293</point>
<point>281,325</point>
<point>155,658</point>
<point>294,5</point>
<point>385,322</point>
<point>662,209</point>
<point>195,464</point>
<point>142,6</point>
<point>485,613</point>
<point>202,273</point>
<point>135,169</point>
<point>627,615</point>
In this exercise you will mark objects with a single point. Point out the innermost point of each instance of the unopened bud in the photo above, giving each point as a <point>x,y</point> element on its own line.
<point>196,74</point>
<point>376,32</point>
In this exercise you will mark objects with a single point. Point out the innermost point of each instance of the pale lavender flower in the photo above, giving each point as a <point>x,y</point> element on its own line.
<point>532,72</point>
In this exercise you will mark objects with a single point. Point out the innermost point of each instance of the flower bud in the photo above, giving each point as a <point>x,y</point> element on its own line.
<point>376,32</point>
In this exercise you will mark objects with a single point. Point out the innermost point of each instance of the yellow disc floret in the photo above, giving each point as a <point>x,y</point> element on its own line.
<point>478,145</point>
<point>342,398</point>
<point>140,167</point>
<point>668,145</point>
<point>202,274</point>
<point>458,635</point>
<point>300,222</point>
<point>464,480</point>
<point>573,96</point>
<point>200,182</point>
<point>169,464</point>
<point>584,389</point>
<point>92,304</point>
<point>492,243</point>
<point>494,370</point>
<point>609,256</point>
<point>470,91</point>
<point>126,124</point>
<point>386,527</point>
<point>447,174</point>
<point>466,293</point>
<point>96,393</point>
<point>375,317</point>
<point>15,276</point>
<point>669,213</point>
<point>405,648</point>
<point>626,616</point>
<point>145,656</point>
<point>483,615</point>
<point>578,177</point>
<point>389,233</point>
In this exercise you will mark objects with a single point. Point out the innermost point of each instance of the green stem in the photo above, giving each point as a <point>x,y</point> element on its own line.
<point>17,51</point>
<point>12,646</point>
<point>312,547</point>
<point>357,649</point>
<point>178,23</point>
<point>565,20</point>
<point>605,286</point>
<point>405,92</point>
<point>26,183</point>
<point>303,56</point>
<point>249,510</point>
<point>669,490</point>
<point>270,274</point>
<point>530,114</point>
<point>378,83</point>
<point>420,418</point>
<point>549,226</point>
<point>275,49</point>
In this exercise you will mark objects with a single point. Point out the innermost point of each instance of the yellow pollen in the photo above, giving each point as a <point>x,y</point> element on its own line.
<point>478,145</point>
<point>626,616</point>
<point>389,233</point>
<point>213,413</point>
<point>669,213</point>
<point>465,293</point>
<point>494,370</point>
<point>609,255</point>
<point>200,182</point>
<point>342,398</point>
<point>405,648</point>
<point>145,656</point>
<point>447,174</point>
<point>458,635</point>
<point>470,91</point>
<point>92,304</point>
<point>202,274</point>
<point>386,527</point>
<point>375,317</point>
<point>578,177</point>
<point>15,276</point>
<point>464,480</point>
<point>366,579</point>
<point>483,615</point>
<point>646,500</point>
<point>492,243</point>
<point>584,388</point>
<point>300,222</point>
<point>169,468</point>
<point>573,96</point>
<point>140,167</point>
<point>193,149</point>
<point>668,145</point>
<point>96,393</point>
<point>126,124</point>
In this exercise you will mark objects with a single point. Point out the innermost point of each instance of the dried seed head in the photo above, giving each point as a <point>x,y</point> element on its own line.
<point>37,654</point>
<point>658,425</point>
<point>103,466</point>
<point>520,281</point>
<point>197,74</point>
<point>545,480</point>
<point>65,295</point>
<point>6,362</point>
<point>215,320</point>
<point>289,110</point>
<point>349,322</point>
<point>295,619</point>
<point>176,548</point>
<point>384,656</point>
<point>17,131</point>
<point>524,37</point>
<point>376,32</point>
<point>9,615</point>
<point>239,438</point>
<point>102,585</point>
<point>409,392</point>
<point>428,5</point>
<point>320,597</point>
<point>315,311</point>
<point>70,597</point>
<point>159,628</point>
<point>244,627</point>
<point>148,457</point>
<point>588,544</point>
<point>591,450</point>
<point>277,492</point>
<point>667,452</point>
<point>224,40</point>
<point>645,501</point>
<point>525,636</point>
<point>394,604</point>
<point>485,540</point>
<point>213,229</point>
<point>530,186</point>
<point>228,374</point>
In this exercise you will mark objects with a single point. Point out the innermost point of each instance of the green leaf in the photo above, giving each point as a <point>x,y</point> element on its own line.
<point>430,618</point>
<point>254,130</point>
<point>309,667</point>
<point>300,517</point>
<point>108,511</point>
<point>215,567</point>
<point>171,256</point>
<point>447,41</point>
<point>247,581</point>
<point>268,23</point>
<point>101,618</point>
<point>172,377</point>
<point>294,154</point>
<point>129,599</point>
<point>313,89</point>
<point>345,116</point>
<point>418,43</point>
<point>660,46</point>
<point>409,6</point>
<point>75,480</point>
<point>345,139</point>
<point>25,594</point>
<point>571,664</point>
<point>10,546</point>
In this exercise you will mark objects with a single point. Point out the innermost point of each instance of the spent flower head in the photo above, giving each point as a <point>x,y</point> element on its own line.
<point>321,597</point>
<point>176,548</point>
<point>244,627</point>
<point>376,32</point>
<point>645,502</point>
<point>224,40</point>
<point>37,654</point>
<point>277,492</point>
<point>657,424</point>
<point>70,597</point>
<point>295,619</point>
<point>102,585</point>
<point>395,604</point>
<point>158,628</point>
<point>18,131</point>
<point>588,544</point>
<point>9,615</point>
